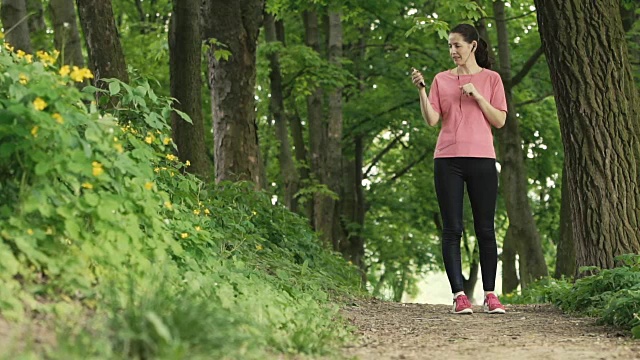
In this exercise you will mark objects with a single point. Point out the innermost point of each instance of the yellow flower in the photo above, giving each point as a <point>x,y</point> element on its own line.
<point>23,79</point>
<point>20,54</point>
<point>168,205</point>
<point>119,148</point>
<point>65,70</point>
<point>58,118</point>
<point>166,141</point>
<point>34,131</point>
<point>30,231</point>
<point>1,35</point>
<point>206,211</point>
<point>49,231</point>
<point>39,104</point>
<point>188,163</point>
<point>184,235</point>
<point>171,157</point>
<point>97,168</point>
<point>8,46</point>
<point>87,185</point>
<point>149,139</point>
<point>198,228</point>
<point>79,75</point>
<point>259,247</point>
<point>115,139</point>
<point>254,213</point>
<point>157,170</point>
<point>148,185</point>
<point>196,211</point>
<point>29,58</point>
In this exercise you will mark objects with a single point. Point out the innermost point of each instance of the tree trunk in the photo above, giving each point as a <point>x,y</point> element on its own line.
<point>288,170</point>
<point>565,250</point>
<point>297,133</point>
<point>106,58</point>
<point>513,173</point>
<point>599,112</point>
<point>469,284</point>
<point>66,33</point>
<point>232,81</point>
<point>185,56</point>
<point>37,26</point>
<point>317,132</point>
<point>510,279</point>
<point>15,24</point>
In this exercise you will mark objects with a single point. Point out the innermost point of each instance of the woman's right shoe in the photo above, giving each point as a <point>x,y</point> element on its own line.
<point>462,305</point>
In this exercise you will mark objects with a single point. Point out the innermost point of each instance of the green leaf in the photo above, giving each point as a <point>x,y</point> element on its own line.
<point>114,88</point>
<point>184,116</point>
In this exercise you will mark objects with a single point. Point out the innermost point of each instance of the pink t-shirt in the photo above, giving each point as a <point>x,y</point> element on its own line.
<point>465,131</point>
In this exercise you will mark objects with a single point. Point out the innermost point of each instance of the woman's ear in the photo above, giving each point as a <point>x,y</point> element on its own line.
<point>474,46</point>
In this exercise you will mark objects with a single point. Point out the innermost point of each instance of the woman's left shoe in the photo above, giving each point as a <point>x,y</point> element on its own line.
<point>492,305</point>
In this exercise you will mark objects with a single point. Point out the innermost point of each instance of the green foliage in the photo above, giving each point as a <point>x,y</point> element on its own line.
<point>613,295</point>
<point>99,220</point>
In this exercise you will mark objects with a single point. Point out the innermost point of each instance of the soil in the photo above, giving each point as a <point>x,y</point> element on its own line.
<point>420,331</point>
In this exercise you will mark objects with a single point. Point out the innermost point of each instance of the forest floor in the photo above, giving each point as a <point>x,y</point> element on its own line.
<point>420,331</point>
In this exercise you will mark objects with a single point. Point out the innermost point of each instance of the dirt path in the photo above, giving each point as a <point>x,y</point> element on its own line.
<point>526,332</point>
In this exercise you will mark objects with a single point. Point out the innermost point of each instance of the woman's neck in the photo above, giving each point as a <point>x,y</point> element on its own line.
<point>468,69</point>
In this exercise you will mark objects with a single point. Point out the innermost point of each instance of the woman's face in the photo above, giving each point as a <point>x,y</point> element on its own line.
<point>459,49</point>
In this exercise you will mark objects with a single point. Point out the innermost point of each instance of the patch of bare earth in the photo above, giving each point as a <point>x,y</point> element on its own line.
<point>420,331</point>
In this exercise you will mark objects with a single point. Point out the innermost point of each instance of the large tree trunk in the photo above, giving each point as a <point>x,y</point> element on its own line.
<point>513,172</point>
<point>333,148</point>
<point>185,56</point>
<point>16,27</point>
<point>106,58</point>
<point>288,170</point>
<point>565,249</point>
<point>232,81</point>
<point>317,130</point>
<point>66,33</point>
<point>599,112</point>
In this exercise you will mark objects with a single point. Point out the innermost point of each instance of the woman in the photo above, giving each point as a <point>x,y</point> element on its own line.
<point>469,99</point>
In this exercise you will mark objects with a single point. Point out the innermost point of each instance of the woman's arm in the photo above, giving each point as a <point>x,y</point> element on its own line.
<point>495,117</point>
<point>428,113</point>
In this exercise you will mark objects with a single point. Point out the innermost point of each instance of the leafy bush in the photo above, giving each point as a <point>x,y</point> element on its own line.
<point>98,219</point>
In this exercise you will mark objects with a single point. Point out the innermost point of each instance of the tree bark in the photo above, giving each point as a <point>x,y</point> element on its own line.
<point>66,33</point>
<point>513,172</point>
<point>232,81</point>
<point>106,58</point>
<point>599,112</point>
<point>15,24</point>
<point>565,249</point>
<point>185,56</point>
<point>510,279</point>
<point>288,171</point>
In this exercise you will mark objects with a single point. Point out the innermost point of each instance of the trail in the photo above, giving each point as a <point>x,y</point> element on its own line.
<point>418,331</point>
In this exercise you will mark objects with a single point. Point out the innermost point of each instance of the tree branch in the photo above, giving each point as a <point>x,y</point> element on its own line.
<point>377,158</point>
<point>526,67</point>
<point>348,132</point>
<point>533,101</point>
<point>411,165</point>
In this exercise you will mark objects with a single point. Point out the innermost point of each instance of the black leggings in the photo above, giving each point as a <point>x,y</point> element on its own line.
<point>481,177</point>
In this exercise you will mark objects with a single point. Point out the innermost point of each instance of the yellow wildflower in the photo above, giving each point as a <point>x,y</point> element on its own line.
<point>78,75</point>
<point>157,170</point>
<point>49,231</point>
<point>65,70</point>
<point>39,104</point>
<point>30,231</point>
<point>115,139</point>
<point>188,163</point>
<point>196,211</point>
<point>184,235</point>
<point>148,185</point>
<point>34,131</point>
<point>58,118</point>
<point>149,139</point>
<point>87,185</point>
<point>97,168</point>
<point>171,157</point>
<point>198,228</point>
<point>20,54</point>
<point>23,79</point>
<point>168,205</point>
<point>119,148</point>
<point>166,141</point>
<point>1,35</point>
<point>206,211</point>
<point>8,46</point>
<point>259,247</point>
<point>29,58</point>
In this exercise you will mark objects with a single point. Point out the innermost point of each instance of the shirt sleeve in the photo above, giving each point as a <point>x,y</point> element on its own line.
<point>434,95</point>
<point>498,99</point>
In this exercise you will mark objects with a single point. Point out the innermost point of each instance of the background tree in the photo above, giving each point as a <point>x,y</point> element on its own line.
<point>599,120</point>
<point>185,54</point>
<point>66,33</point>
<point>16,26</point>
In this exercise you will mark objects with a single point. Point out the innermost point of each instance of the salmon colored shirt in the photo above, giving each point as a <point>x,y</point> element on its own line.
<point>465,131</point>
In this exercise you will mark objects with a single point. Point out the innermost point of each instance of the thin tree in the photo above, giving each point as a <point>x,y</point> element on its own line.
<point>599,112</point>
<point>66,33</point>
<point>185,55</point>
<point>16,27</point>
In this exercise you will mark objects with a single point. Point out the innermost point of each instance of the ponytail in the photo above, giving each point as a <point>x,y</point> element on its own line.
<point>482,54</point>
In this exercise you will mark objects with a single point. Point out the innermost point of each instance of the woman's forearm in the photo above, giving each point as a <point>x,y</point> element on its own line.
<point>495,117</point>
<point>428,113</point>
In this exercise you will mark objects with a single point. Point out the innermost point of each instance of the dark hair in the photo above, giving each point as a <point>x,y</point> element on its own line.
<point>470,33</point>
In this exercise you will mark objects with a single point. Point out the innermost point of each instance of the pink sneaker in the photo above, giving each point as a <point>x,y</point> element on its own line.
<point>462,305</point>
<point>492,305</point>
